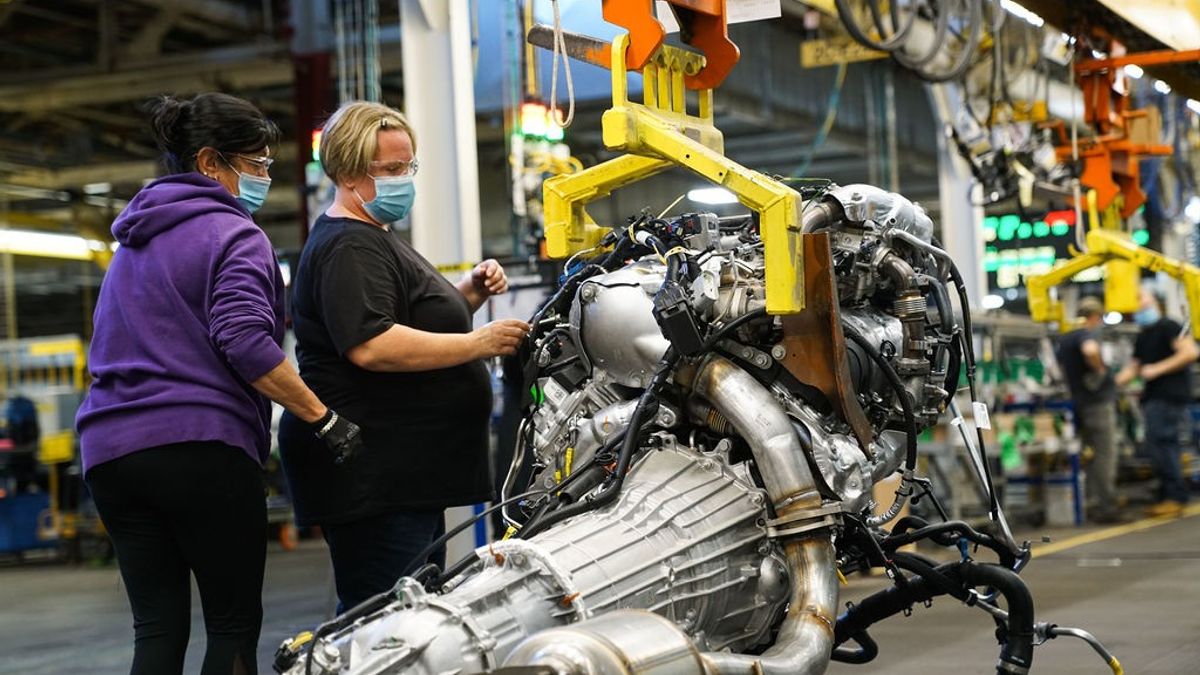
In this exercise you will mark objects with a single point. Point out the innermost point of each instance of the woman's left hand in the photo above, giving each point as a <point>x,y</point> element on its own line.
<point>489,278</point>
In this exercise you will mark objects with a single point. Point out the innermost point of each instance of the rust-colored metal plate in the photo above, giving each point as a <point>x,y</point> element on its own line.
<point>816,347</point>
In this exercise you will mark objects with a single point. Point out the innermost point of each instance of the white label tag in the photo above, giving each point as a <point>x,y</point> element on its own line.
<point>982,421</point>
<point>554,392</point>
<point>736,11</point>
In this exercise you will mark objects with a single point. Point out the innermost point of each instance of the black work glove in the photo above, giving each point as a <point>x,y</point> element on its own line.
<point>341,436</point>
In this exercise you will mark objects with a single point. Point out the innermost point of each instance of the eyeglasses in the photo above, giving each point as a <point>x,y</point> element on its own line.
<point>261,163</point>
<point>396,168</point>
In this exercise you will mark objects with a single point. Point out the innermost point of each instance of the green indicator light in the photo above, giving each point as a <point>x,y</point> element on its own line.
<point>1060,229</point>
<point>1041,229</point>
<point>538,397</point>
<point>1008,227</point>
<point>990,222</point>
<point>1141,237</point>
<point>1024,230</point>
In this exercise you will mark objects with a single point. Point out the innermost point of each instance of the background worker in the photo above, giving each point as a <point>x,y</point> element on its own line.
<point>1094,394</point>
<point>382,335</point>
<point>1162,357</point>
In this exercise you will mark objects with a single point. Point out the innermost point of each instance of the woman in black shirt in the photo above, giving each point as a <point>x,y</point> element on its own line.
<point>387,340</point>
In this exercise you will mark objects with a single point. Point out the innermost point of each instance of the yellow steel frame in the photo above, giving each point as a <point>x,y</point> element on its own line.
<point>658,134</point>
<point>1105,246</point>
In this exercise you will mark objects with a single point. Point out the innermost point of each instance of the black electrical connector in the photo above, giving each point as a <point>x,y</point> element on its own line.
<point>674,315</point>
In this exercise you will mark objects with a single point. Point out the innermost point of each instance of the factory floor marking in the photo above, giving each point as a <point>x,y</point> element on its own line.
<point>1111,532</point>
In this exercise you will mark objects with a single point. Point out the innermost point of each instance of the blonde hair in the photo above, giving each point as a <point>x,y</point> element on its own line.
<point>349,139</point>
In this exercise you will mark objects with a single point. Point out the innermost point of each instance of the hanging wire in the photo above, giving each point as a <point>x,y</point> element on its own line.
<point>827,124</point>
<point>560,52</point>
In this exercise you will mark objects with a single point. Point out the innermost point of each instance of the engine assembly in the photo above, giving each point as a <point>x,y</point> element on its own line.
<point>703,471</point>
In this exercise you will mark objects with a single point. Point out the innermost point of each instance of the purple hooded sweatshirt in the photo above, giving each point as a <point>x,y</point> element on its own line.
<point>190,312</point>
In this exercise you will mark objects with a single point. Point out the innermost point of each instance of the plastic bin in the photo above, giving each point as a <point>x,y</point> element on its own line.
<point>19,517</point>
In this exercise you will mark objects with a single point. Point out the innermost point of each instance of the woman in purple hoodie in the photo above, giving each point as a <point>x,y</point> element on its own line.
<point>184,357</point>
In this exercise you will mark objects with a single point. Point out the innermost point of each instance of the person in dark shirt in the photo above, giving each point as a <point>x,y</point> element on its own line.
<point>387,340</point>
<point>1094,394</point>
<point>1162,357</point>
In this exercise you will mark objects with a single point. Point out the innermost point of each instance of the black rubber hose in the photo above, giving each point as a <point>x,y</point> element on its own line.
<point>730,326</point>
<point>974,23</point>
<point>865,653</point>
<point>946,534</point>
<point>910,460</point>
<point>846,13</point>
<point>441,541</point>
<point>969,355</point>
<point>1018,650</point>
<point>368,606</point>
<point>939,38</point>
<point>881,605</point>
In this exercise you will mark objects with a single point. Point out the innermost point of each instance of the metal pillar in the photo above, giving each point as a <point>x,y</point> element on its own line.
<point>962,221</point>
<point>439,100</point>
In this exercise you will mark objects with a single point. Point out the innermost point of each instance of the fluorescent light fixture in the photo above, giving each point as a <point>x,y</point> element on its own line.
<point>49,245</point>
<point>1113,318</point>
<point>712,195</point>
<point>1193,105</point>
<point>1134,71</point>
<point>97,188</point>
<point>1162,87</point>
<point>992,302</point>
<point>1022,13</point>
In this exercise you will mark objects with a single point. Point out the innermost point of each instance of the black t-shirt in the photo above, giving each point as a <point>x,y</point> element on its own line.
<point>1087,386</point>
<point>1155,343</point>
<point>425,433</point>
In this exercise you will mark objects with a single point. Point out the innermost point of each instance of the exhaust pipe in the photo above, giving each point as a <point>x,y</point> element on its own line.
<point>805,640</point>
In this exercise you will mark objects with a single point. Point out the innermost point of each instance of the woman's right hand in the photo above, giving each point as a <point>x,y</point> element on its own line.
<point>499,338</point>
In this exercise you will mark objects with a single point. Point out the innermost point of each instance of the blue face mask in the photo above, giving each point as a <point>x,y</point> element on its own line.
<point>252,191</point>
<point>1147,316</point>
<point>393,198</point>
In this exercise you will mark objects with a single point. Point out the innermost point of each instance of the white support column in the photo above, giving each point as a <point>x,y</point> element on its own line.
<point>962,221</point>
<point>439,100</point>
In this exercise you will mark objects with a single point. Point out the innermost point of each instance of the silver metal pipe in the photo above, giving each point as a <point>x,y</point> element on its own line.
<point>805,640</point>
<point>760,420</point>
<point>514,468</point>
<point>943,258</point>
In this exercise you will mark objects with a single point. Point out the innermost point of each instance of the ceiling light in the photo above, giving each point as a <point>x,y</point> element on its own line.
<point>46,245</point>
<point>97,188</point>
<point>712,195</point>
<point>1022,13</point>
<point>1192,210</point>
<point>992,302</point>
<point>1193,105</point>
<point>1134,71</point>
<point>1162,87</point>
<point>1113,318</point>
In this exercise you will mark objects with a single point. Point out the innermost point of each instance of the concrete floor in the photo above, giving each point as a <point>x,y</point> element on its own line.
<point>1137,591</point>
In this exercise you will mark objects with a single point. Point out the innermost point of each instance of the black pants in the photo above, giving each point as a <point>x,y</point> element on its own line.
<point>177,510</point>
<point>369,555</point>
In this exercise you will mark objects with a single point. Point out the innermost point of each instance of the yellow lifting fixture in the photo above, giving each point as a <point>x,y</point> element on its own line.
<point>1109,245</point>
<point>658,134</point>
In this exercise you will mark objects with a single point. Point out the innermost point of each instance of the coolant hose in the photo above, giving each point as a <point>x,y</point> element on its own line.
<point>1016,653</point>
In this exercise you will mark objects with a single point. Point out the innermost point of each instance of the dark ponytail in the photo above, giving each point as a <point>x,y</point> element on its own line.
<point>181,127</point>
